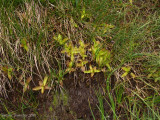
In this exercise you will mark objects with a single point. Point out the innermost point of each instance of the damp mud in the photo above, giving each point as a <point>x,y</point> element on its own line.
<point>77,99</point>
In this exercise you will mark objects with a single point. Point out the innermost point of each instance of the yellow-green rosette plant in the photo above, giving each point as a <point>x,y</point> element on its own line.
<point>42,85</point>
<point>82,49</point>
<point>71,51</point>
<point>9,71</point>
<point>24,44</point>
<point>26,84</point>
<point>101,56</point>
<point>95,48</point>
<point>127,71</point>
<point>81,63</point>
<point>78,57</point>
<point>155,74</point>
<point>60,40</point>
<point>92,70</point>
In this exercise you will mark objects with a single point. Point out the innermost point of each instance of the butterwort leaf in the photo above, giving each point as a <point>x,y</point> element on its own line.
<point>26,85</point>
<point>10,72</point>
<point>42,89</point>
<point>45,80</point>
<point>37,88</point>
<point>24,44</point>
<point>124,74</point>
<point>133,75</point>
<point>126,69</point>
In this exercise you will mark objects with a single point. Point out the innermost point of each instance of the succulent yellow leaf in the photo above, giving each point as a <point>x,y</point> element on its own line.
<point>149,75</point>
<point>109,67</point>
<point>133,75</point>
<point>42,89</point>
<point>45,80</point>
<point>70,70</point>
<point>90,66</point>
<point>25,88</point>
<point>83,13</point>
<point>65,40</point>
<point>126,69</point>
<point>9,75</point>
<point>28,80</point>
<point>24,44</point>
<point>124,74</point>
<point>73,23</point>
<point>92,74</point>
<point>87,71</point>
<point>131,2</point>
<point>10,70</point>
<point>37,88</point>
<point>157,79</point>
<point>59,37</point>
<point>5,69</point>
<point>92,70</point>
<point>26,85</point>
<point>70,64</point>
<point>95,70</point>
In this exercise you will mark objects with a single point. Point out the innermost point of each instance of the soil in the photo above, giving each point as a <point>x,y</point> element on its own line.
<point>81,91</point>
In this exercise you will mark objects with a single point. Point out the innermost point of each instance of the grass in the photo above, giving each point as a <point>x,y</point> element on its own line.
<point>129,31</point>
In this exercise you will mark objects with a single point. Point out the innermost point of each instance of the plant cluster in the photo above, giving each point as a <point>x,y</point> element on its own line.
<point>78,56</point>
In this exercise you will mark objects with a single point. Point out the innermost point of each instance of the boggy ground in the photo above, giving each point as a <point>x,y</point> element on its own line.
<point>82,93</point>
<point>75,100</point>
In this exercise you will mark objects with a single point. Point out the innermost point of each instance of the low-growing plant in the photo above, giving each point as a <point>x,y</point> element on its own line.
<point>42,85</point>
<point>8,70</point>
<point>101,55</point>
<point>92,70</point>
<point>60,40</point>
<point>127,71</point>
<point>26,84</point>
<point>84,15</point>
<point>155,74</point>
<point>24,44</point>
<point>71,51</point>
<point>78,56</point>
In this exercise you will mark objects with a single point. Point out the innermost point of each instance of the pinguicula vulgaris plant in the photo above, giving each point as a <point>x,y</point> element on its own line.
<point>78,56</point>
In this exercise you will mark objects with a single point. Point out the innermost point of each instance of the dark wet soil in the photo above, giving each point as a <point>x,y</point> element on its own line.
<point>81,91</point>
